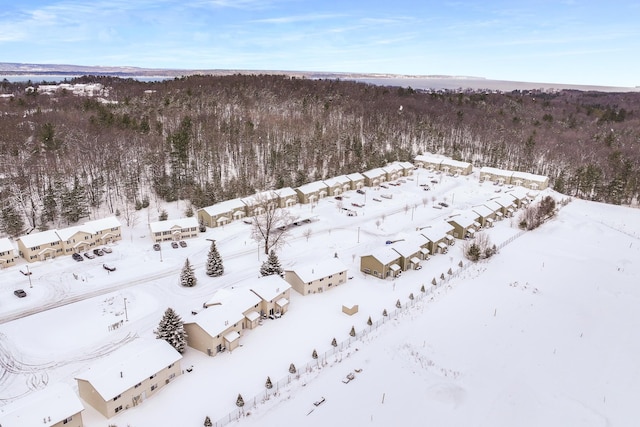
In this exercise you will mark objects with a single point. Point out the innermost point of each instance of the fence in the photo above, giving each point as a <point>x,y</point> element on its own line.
<point>342,348</point>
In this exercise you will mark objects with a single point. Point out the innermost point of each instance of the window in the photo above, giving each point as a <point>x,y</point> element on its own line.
<point>170,366</point>
<point>154,386</point>
<point>172,376</point>
<point>117,397</point>
<point>152,376</point>
<point>118,409</point>
<point>67,420</point>
<point>137,385</point>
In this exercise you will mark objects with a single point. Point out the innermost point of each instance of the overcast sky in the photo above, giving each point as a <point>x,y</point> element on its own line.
<point>580,42</point>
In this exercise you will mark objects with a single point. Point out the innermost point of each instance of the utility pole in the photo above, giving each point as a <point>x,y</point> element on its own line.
<point>126,315</point>
<point>29,276</point>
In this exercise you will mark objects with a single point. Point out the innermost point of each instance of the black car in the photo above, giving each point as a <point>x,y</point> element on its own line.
<point>20,293</point>
<point>359,191</point>
<point>156,246</point>
<point>174,245</point>
<point>443,204</point>
<point>98,252</point>
<point>77,256</point>
<point>183,244</point>
<point>108,267</point>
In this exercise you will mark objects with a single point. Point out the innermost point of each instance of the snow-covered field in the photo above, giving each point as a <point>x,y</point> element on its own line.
<point>542,334</point>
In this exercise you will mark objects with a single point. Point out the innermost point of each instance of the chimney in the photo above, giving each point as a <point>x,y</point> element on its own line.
<point>120,374</point>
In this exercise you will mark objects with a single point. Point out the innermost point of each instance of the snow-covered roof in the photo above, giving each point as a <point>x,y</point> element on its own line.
<point>41,238</point>
<point>224,207</point>
<point>518,192</point>
<point>103,223</point>
<point>429,158</point>
<point>374,173</point>
<point>385,255</point>
<point>6,245</point>
<point>324,268</point>
<point>159,226</point>
<point>286,192</point>
<point>240,299</point>
<point>464,218</point>
<point>259,198</point>
<point>338,180</point>
<point>493,205</point>
<point>129,365</point>
<point>357,176</point>
<point>45,407</point>
<point>216,319</point>
<point>495,171</point>
<point>436,230</point>
<point>392,167</point>
<point>269,287</point>
<point>505,201</point>
<point>455,163</point>
<point>406,165</point>
<point>482,210</point>
<point>529,176</point>
<point>67,233</point>
<point>406,248</point>
<point>312,187</point>
<point>232,336</point>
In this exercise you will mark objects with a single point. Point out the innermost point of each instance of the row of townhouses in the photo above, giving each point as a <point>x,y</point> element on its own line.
<point>391,260</point>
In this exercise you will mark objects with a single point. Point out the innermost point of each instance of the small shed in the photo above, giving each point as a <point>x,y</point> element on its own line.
<point>350,308</point>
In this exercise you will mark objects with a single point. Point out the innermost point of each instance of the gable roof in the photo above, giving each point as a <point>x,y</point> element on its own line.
<point>159,226</point>
<point>312,187</point>
<point>41,238</point>
<point>103,223</point>
<point>357,176</point>
<point>45,407</point>
<point>286,192</point>
<point>67,233</point>
<point>436,231</point>
<point>385,255</point>
<point>482,210</point>
<point>324,268</point>
<point>224,207</point>
<point>429,158</point>
<point>6,245</point>
<point>216,319</point>
<point>269,287</point>
<point>464,218</point>
<point>240,299</point>
<point>338,180</point>
<point>406,248</point>
<point>129,365</point>
<point>374,173</point>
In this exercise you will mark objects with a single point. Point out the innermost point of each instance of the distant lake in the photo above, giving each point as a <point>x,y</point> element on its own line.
<point>59,78</point>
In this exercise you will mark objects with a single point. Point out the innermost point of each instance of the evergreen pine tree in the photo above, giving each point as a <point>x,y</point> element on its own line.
<point>369,321</point>
<point>398,304</point>
<point>171,329</point>
<point>352,332</point>
<point>207,422</point>
<point>10,221</point>
<point>271,265</point>
<point>187,276</point>
<point>214,262</point>
<point>239,401</point>
<point>334,342</point>
<point>268,384</point>
<point>292,369</point>
<point>314,354</point>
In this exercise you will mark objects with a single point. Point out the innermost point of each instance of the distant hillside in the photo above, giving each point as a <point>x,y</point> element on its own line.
<point>212,138</point>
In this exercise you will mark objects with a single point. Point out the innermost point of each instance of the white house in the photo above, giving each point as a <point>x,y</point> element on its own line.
<point>56,405</point>
<point>317,277</point>
<point>174,229</point>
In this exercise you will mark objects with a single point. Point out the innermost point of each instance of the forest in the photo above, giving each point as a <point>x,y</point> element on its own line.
<point>204,139</point>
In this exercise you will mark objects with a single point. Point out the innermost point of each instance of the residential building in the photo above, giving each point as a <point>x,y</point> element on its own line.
<point>242,300</point>
<point>486,216</point>
<point>274,292</point>
<point>529,180</point>
<point>393,171</point>
<point>338,185</point>
<point>222,213</point>
<point>174,229</point>
<point>411,252</point>
<point>381,263</point>
<point>7,253</point>
<point>312,192</point>
<point>129,375</point>
<point>356,180</point>
<point>495,175</point>
<point>260,202</point>
<point>455,167</point>
<point>374,177</point>
<point>287,197</point>
<point>56,405</point>
<point>40,246</point>
<point>407,168</point>
<point>317,277</point>
<point>428,161</point>
<point>215,329</point>
<point>439,236</point>
<point>497,208</point>
<point>76,239</point>
<point>105,230</point>
<point>465,224</point>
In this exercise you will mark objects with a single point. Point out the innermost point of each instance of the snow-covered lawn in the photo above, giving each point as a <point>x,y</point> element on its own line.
<point>542,334</point>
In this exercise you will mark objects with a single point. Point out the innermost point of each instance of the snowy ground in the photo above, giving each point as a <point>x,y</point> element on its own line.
<point>542,334</point>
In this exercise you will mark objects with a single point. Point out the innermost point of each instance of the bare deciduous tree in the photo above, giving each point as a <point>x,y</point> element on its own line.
<point>271,226</point>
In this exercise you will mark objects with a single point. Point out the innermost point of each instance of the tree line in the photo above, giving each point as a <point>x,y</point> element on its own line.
<point>211,138</point>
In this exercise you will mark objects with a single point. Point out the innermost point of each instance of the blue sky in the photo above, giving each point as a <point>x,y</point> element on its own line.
<point>579,42</point>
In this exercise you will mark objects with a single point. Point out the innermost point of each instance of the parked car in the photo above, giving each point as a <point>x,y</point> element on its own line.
<point>156,246</point>
<point>338,197</point>
<point>384,186</point>
<point>443,204</point>
<point>108,267</point>
<point>20,293</point>
<point>89,255</point>
<point>174,245</point>
<point>98,251</point>
<point>359,191</point>
<point>183,244</point>
<point>375,199</point>
<point>357,205</point>
<point>434,181</point>
<point>107,250</point>
<point>77,256</point>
